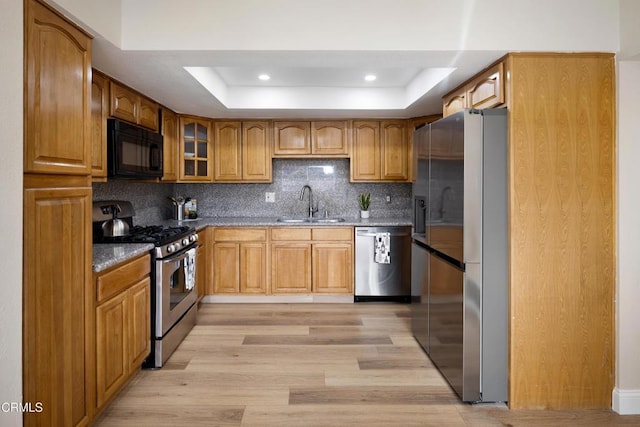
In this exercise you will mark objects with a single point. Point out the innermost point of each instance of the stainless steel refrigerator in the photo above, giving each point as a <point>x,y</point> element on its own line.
<point>459,251</point>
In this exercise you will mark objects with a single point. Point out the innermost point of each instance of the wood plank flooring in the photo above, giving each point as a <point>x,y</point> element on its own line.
<point>311,365</point>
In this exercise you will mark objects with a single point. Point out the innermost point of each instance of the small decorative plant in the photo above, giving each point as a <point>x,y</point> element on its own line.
<point>364,199</point>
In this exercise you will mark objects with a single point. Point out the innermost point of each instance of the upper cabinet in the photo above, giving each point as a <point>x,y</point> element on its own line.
<point>330,138</point>
<point>99,114</point>
<point>311,139</point>
<point>170,145</point>
<point>242,152</point>
<point>256,151</point>
<point>227,151</point>
<point>129,105</point>
<point>195,153</point>
<point>57,136</point>
<point>380,151</point>
<point>485,90</point>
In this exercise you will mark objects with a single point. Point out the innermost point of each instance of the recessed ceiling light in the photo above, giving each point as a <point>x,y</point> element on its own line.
<point>264,77</point>
<point>370,77</point>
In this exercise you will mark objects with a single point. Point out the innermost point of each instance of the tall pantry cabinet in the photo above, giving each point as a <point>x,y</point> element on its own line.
<point>58,355</point>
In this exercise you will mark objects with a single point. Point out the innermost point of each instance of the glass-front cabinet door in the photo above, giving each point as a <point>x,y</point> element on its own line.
<point>196,154</point>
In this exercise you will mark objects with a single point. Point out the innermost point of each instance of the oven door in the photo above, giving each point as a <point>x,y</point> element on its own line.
<point>173,297</point>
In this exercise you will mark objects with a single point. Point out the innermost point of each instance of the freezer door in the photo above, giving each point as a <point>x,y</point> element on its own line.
<point>420,295</point>
<point>446,320</point>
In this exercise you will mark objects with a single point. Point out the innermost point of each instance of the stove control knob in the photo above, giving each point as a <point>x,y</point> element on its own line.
<point>193,238</point>
<point>171,248</point>
<point>185,242</point>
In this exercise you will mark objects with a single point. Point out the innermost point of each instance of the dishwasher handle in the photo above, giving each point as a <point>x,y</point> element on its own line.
<point>366,233</point>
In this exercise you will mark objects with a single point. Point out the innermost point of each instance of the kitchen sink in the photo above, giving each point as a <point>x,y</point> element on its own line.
<point>309,220</point>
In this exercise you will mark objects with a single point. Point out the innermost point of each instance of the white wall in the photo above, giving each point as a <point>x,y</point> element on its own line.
<point>11,217</point>
<point>626,397</point>
<point>370,24</point>
<point>629,30</point>
<point>98,17</point>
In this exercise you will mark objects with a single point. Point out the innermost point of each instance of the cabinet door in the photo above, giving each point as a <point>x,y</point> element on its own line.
<point>333,267</point>
<point>487,90</point>
<point>170,145</point>
<point>99,114</point>
<point>57,95</point>
<point>454,102</point>
<point>195,150</point>
<point>291,138</point>
<point>253,268</point>
<point>58,329</point>
<point>290,268</point>
<point>124,103</point>
<point>330,138</point>
<point>139,323</point>
<point>395,150</point>
<point>226,268</point>
<point>256,152</point>
<point>148,113</point>
<point>227,151</point>
<point>112,341</point>
<point>365,151</point>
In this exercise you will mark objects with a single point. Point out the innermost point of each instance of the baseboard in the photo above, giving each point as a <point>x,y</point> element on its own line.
<point>626,402</point>
<point>277,299</point>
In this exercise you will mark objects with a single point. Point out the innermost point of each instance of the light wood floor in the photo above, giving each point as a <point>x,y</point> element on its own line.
<point>311,365</point>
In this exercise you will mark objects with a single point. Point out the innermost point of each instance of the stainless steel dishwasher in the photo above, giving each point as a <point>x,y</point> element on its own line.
<point>383,264</point>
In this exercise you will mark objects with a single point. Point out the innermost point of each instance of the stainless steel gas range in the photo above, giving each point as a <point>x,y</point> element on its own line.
<point>173,274</point>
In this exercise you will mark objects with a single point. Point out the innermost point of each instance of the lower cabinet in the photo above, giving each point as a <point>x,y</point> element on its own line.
<point>312,260</point>
<point>239,260</point>
<point>122,325</point>
<point>202,263</point>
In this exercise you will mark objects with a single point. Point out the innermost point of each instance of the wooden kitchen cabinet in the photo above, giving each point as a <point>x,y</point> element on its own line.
<point>380,151</point>
<point>454,102</point>
<point>394,148</point>
<point>227,151</point>
<point>195,153</point>
<point>99,114</point>
<point>131,106</point>
<point>123,325</point>
<point>242,152</point>
<point>202,264</point>
<point>485,90</point>
<point>256,151</point>
<point>291,138</point>
<point>239,260</point>
<point>312,260</point>
<point>290,268</point>
<point>311,139</point>
<point>170,145</point>
<point>58,350</point>
<point>57,136</point>
<point>330,138</point>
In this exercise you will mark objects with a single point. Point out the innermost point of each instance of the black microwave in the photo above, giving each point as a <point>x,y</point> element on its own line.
<point>133,152</point>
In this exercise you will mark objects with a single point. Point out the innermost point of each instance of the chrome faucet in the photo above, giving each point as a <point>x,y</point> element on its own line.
<point>441,210</point>
<point>311,208</point>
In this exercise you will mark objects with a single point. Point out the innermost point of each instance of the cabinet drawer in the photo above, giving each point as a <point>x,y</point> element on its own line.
<point>122,277</point>
<point>290,233</point>
<point>332,234</point>
<point>240,234</point>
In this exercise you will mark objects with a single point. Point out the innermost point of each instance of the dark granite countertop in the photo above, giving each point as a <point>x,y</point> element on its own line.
<point>201,223</point>
<point>107,255</point>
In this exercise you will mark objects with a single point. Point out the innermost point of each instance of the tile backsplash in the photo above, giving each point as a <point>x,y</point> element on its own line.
<point>328,178</point>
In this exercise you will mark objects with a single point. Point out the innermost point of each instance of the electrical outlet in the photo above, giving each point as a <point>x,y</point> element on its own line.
<point>388,199</point>
<point>269,197</point>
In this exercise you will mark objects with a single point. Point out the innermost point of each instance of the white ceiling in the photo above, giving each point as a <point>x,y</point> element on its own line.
<point>318,52</point>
